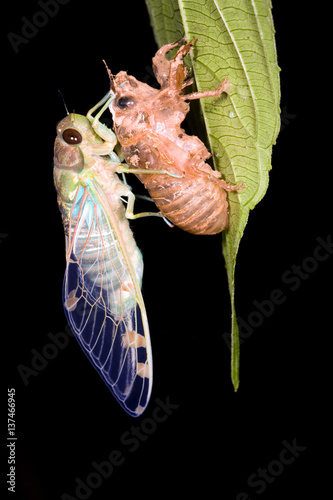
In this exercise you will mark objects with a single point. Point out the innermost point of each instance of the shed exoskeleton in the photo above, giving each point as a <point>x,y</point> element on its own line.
<point>147,123</point>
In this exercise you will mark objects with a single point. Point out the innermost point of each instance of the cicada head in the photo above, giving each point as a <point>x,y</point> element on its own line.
<point>73,133</point>
<point>67,154</point>
<point>132,108</point>
<point>139,108</point>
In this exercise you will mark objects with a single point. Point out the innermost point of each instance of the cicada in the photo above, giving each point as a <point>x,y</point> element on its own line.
<point>147,122</point>
<point>102,284</point>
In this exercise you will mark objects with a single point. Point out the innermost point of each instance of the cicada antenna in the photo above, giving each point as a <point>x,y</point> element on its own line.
<point>111,76</point>
<point>63,100</point>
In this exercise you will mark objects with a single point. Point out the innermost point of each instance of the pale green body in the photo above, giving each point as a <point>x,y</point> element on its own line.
<point>102,285</point>
<point>83,166</point>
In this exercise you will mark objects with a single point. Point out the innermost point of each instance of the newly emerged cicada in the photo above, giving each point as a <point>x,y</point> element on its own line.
<point>147,122</point>
<point>102,284</point>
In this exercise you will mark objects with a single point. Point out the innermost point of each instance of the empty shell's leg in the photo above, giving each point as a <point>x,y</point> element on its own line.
<point>161,65</point>
<point>232,187</point>
<point>178,71</point>
<point>207,93</point>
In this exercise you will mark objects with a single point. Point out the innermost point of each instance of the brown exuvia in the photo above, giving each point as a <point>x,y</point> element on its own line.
<point>147,123</point>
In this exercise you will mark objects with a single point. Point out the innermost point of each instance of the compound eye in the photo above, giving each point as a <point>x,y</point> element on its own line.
<point>72,136</point>
<point>125,102</point>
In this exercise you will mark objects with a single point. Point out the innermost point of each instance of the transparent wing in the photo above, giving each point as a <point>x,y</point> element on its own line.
<point>103,302</point>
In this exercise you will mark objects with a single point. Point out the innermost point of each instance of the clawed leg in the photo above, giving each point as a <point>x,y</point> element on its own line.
<point>110,138</point>
<point>172,73</point>
<point>102,130</point>
<point>187,82</point>
<point>231,187</point>
<point>178,71</point>
<point>161,65</point>
<point>207,93</point>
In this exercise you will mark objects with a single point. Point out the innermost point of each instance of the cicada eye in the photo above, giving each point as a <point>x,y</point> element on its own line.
<point>72,136</point>
<point>125,102</point>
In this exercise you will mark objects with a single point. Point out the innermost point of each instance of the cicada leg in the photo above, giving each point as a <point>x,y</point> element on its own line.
<point>102,130</point>
<point>130,208</point>
<point>207,93</point>
<point>125,190</point>
<point>110,139</point>
<point>161,65</point>
<point>126,170</point>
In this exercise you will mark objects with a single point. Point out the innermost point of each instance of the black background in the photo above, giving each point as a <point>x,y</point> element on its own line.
<point>215,439</point>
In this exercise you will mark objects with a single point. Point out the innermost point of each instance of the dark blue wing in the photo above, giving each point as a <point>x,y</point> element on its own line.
<point>104,305</point>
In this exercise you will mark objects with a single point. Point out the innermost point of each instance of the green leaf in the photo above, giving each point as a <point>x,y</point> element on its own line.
<point>235,41</point>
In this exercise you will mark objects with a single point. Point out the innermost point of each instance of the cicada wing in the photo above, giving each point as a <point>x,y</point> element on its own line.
<point>104,305</point>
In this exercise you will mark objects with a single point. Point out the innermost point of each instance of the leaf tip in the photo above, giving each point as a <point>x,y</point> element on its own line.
<point>235,383</point>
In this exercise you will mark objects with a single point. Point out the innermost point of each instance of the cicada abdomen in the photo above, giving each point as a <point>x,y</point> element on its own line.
<point>147,123</point>
<point>102,284</point>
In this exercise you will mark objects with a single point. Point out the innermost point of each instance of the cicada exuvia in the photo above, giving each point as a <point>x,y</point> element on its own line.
<point>147,122</point>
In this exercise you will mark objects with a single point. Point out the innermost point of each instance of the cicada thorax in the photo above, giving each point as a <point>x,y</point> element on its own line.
<point>147,123</point>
